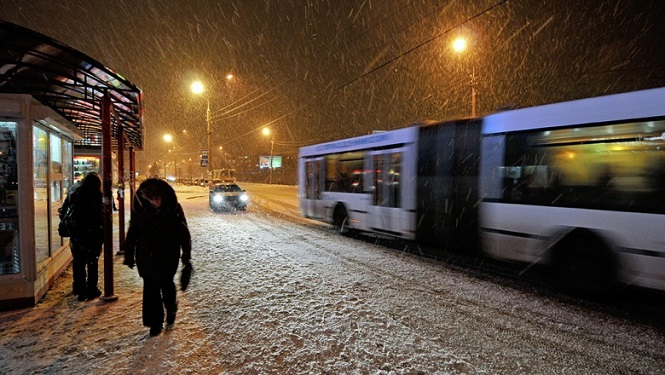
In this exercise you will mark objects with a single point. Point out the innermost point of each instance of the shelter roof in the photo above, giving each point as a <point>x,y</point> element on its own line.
<point>69,82</point>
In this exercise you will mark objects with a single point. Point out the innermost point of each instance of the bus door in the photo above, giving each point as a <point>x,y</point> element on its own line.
<point>386,212</point>
<point>312,202</point>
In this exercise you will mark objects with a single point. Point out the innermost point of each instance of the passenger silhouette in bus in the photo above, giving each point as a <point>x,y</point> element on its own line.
<point>602,194</point>
<point>605,179</point>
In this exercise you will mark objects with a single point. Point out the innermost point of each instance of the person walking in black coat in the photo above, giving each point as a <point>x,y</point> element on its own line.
<point>157,233</point>
<point>87,236</point>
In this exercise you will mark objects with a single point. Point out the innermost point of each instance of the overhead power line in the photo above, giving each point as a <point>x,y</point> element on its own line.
<point>222,113</point>
<point>417,47</point>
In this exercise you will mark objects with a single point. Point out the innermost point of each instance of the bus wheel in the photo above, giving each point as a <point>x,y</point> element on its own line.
<point>340,219</point>
<point>584,265</point>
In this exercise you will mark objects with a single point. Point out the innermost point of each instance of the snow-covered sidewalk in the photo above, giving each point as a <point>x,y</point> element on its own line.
<point>252,308</point>
<point>63,335</point>
<point>273,296</point>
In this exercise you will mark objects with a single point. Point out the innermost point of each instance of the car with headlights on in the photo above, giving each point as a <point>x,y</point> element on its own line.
<point>228,196</point>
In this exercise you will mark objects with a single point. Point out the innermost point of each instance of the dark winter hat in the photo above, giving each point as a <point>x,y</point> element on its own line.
<point>157,188</point>
<point>91,182</point>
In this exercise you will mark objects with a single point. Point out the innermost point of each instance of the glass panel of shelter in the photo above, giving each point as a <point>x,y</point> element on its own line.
<point>9,234</point>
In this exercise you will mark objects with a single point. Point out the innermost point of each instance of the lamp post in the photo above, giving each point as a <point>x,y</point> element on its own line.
<point>168,138</point>
<point>459,46</point>
<point>198,88</point>
<point>223,155</point>
<point>266,132</point>
<point>159,165</point>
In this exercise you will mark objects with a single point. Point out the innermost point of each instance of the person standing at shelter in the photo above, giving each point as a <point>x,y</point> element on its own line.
<point>157,233</point>
<point>87,235</point>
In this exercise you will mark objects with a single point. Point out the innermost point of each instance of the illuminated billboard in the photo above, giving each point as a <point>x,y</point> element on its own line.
<point>264,161</point>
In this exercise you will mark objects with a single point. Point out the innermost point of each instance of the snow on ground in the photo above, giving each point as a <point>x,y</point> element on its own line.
<point>271,296</point>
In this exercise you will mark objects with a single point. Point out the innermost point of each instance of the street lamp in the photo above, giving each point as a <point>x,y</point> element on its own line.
<point>459,46</point>
<point>266,132</point>
<point>198,88</point>
<point>159,165</point>
<point>168,138</point>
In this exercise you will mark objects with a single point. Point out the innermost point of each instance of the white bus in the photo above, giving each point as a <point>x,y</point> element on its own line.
<point>578,186</point>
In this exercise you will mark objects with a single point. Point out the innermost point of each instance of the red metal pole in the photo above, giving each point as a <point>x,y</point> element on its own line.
<point>132,176</point>
<point>109,294</point>
<point>121,189</point>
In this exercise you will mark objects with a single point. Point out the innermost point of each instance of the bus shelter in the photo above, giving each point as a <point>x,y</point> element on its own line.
<point>53,99</point>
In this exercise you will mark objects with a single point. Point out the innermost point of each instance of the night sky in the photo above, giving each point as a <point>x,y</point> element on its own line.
<point>318,70</point>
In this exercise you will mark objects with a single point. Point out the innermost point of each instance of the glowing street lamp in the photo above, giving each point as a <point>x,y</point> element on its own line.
<point>198,89</point>
<point>266,132</point>
<point>459,46</point>
<point>168,138</point>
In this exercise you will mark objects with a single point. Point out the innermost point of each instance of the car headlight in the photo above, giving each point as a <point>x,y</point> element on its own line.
<point>244,198</point>
<point>217,198</point>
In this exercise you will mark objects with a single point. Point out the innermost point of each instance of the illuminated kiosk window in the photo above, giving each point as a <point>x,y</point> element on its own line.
<point>85,164</point>
<point>9,235</point>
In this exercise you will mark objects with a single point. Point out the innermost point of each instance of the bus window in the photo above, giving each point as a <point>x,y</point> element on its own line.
<point>614,167</point>
<point>387,179</point>
<point>312,188</point>
<point>395,183</point>
<point>345,172</point>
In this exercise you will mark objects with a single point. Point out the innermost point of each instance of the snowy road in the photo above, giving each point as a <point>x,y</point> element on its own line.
<point>274,294</point>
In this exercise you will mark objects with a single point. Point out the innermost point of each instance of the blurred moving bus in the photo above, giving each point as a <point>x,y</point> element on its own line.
<point>578,186</point>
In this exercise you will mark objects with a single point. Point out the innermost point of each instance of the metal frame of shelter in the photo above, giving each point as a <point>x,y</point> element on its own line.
<point>104,106</point>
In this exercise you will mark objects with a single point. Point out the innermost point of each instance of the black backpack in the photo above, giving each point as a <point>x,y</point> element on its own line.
<point>67,224</point>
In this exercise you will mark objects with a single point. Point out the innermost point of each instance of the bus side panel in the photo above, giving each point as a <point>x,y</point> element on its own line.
<point>552,192</point>
<point>310,183</point>
<point>466,174</point>
<point>447,193</point>
<point>391,199</point>
<point>433,184</point>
